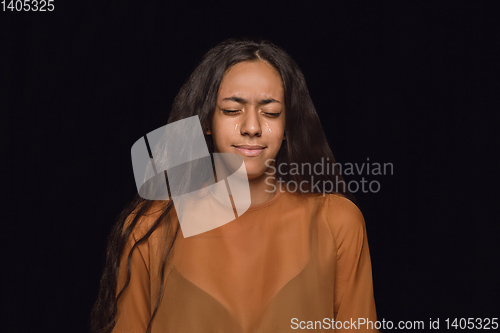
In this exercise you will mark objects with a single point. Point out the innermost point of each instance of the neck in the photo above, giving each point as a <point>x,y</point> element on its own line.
<point>260,190</point>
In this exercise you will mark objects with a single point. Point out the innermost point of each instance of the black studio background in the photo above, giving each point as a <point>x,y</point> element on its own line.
<point>414,84</point>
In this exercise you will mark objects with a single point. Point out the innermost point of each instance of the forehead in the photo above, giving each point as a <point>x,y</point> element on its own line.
<point>251,78</point>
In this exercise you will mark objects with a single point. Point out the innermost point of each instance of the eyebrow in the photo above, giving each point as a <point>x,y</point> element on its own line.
<point>243,101</point>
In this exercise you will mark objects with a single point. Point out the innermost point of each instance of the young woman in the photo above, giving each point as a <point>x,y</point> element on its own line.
<point>297,258</point>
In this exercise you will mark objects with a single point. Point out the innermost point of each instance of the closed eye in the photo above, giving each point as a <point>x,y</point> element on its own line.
<point>272,114</point>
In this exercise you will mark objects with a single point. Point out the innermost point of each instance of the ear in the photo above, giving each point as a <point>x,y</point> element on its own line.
<point>284,136</point>
<point>207,131</point>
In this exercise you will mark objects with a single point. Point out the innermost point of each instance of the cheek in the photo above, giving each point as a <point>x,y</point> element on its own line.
<point>220,138</point>
<point>278,131</point>
<point>216,139</point>
<point>276,141</point>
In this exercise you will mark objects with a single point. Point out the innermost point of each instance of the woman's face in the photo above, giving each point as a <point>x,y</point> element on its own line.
<point>249,118</point>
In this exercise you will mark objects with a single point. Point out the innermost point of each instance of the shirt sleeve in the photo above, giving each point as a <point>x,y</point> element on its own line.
<point>134,306</point>
<point>353,286</point>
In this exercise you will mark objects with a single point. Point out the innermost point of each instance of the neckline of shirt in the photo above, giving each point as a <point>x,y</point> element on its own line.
<point>276,196</point>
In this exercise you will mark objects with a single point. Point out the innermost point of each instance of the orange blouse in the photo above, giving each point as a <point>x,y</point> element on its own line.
<point>295,261</point>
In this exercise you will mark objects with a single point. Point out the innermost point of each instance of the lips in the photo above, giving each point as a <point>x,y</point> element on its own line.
<point>250,150</point>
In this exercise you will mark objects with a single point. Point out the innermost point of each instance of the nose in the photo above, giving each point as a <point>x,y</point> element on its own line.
<point>251,124</point>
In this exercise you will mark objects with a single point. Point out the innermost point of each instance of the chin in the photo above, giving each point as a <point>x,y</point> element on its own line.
<point>254,174</point>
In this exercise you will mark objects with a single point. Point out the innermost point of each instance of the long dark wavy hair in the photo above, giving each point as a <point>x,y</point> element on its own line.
<point>305,143</point>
